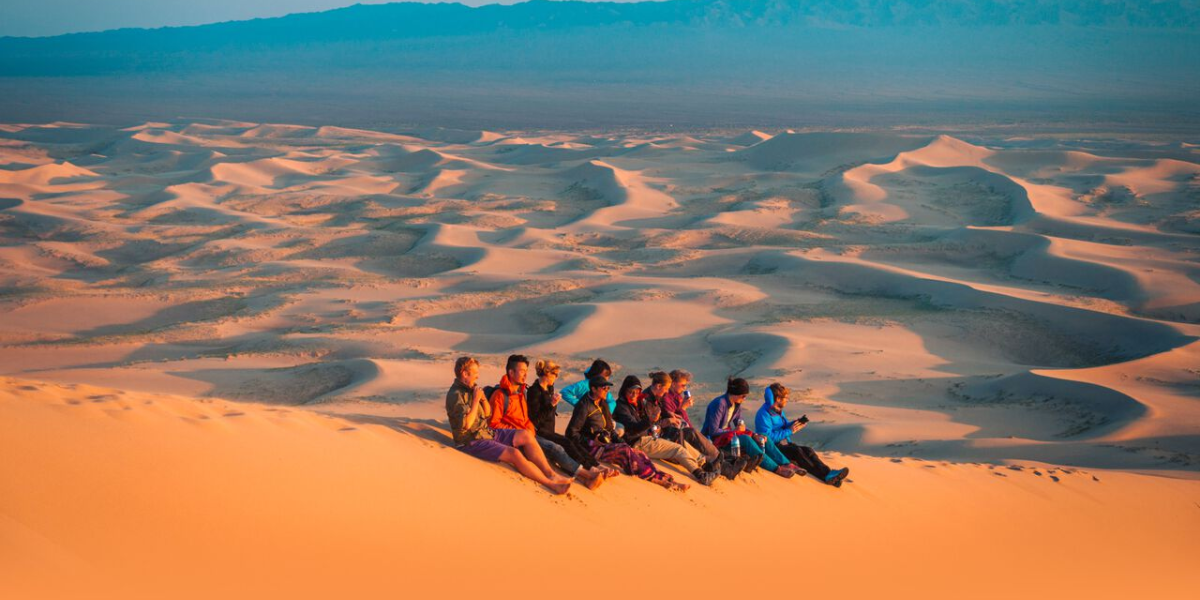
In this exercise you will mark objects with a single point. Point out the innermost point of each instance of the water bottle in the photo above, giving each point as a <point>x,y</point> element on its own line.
<point>654,431</point>
<point>735,447</point>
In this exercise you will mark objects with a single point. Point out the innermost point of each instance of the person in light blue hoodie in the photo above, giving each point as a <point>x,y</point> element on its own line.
<point>772,423</point>
<point>574,392</point>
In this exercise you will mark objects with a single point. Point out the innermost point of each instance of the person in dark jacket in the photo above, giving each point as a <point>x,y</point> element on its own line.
<point>723,423</point>
<point>593,426</point>
<point>772,423</point>
<point>543,403</point>
<point>641,418</point>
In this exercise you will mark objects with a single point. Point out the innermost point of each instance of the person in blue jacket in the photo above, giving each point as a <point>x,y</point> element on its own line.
<point>572,393</point>
<point>778,429</point>
<point>723,423</point>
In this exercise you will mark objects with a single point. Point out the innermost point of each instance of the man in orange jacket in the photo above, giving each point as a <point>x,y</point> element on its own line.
<point>511,411</point>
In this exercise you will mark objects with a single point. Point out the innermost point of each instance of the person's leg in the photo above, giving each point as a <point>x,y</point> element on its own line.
<point>752,449</point>
<point>701,443</point>
<point>517,459</point>
<point>806,458</point>
<point>668,451</point>
<point>558,456</point>
<point>576,451</point>
<point>527,443</point>
<point>775,455</point>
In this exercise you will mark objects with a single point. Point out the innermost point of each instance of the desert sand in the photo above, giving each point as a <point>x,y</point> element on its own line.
<point>225,346</point>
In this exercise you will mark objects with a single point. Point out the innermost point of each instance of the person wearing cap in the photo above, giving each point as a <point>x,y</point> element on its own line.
<point>772,423</point>
<point>511,411</point>
<point>641,417</point>
<point>574,392</point>
<point>723,423</point>
<point>469,412</point>
<point>592,425</point>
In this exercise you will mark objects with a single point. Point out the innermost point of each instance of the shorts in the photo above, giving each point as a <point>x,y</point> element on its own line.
<point>491,450</point>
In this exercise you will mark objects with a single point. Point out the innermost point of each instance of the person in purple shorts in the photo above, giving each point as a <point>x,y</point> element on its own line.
<point>469,411</point>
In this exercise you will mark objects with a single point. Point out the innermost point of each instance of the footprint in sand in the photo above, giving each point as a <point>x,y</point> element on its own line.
<point>1054,479</point>
<point>233,414</point>
<point>348,429</point>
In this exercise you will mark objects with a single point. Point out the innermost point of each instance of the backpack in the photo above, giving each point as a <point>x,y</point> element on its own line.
<point>487,393</point>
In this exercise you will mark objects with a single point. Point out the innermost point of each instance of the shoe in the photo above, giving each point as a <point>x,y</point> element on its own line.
<point>712,466</point>
<point>835,478</point>
<point>785,471</point>
<point>730,469</point>
<point>705,477</point>
<point>753,463</point>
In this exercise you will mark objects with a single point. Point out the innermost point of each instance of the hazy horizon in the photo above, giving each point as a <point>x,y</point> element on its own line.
<point>42,18</point>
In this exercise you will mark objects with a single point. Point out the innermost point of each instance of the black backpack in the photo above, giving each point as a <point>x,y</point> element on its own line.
<point>487,393</point>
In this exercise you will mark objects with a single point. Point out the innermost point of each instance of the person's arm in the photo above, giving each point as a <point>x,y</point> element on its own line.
<point>766,425</point>
<point>634,428</point>
<point>466,408</point>
<point>572,393</point>
<point>575,425</point>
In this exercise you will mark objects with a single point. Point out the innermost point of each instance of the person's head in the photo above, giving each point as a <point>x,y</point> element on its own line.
<point>599,368</point>
<point>466,370</point>
<point>737,389</point>
<point>547,371</point>
<point>517,368</point>
<point>631,388</point>
<point>780,395</point>
<point>598,388</point>
<point>660,382</point>
<point>680,379</point>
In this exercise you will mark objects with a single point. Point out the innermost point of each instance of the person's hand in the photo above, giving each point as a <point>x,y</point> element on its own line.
<point>674,421</point>
<point>555,399</point>
<point>687,403</point>
<point>797,426</point>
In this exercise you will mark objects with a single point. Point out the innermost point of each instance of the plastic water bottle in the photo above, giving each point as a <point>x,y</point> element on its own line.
<point>735,447</point>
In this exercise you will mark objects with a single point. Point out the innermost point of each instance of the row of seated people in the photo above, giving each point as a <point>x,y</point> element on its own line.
<point>514,423</point>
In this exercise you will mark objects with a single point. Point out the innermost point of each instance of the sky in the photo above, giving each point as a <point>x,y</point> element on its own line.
<point>53,17</point>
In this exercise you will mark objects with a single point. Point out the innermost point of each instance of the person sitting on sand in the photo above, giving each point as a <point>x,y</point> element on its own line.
<point>723,424</point>
<point>511,411</point>
<point>641,417</point>
<point>772,423</point>
<point>593,426</point>
<point>469,412</point>
<point>574,392</point>
<point>675,399</point>
<point>543,405</point>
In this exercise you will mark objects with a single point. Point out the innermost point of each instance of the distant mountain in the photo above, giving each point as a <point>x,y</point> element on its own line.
<point>733,60</point>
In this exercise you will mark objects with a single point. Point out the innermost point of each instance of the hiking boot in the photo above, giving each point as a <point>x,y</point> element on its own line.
<point>752,463</point>
<point>712,466</point>
<point>705,477</point>
<point>835,478</point>
<point>731,468</point>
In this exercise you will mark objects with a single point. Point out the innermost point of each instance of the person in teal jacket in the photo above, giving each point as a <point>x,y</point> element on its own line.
<point>574,392</point>
<point>772,423</point>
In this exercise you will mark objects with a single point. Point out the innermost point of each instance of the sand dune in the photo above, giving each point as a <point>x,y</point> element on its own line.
<point>988,317</point>
<point>299,502</point>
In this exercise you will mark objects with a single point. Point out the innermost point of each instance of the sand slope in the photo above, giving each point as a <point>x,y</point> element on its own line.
<point>166,496</point>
